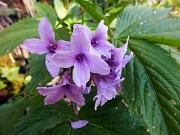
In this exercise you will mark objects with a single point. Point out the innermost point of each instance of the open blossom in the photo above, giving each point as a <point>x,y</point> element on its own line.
<point>46,45</point>
<point>80,57</point>
<point>99,43</point>
<point>65,88</point>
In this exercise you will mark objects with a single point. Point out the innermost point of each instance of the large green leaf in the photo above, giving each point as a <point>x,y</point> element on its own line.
<point>17,33</point>
<point>43,117</point>
<point>15,110</point>
<point>132,14</point>
<point>45,10</point>
<point>111,119</point>
<point>38,71</point>
<point>164,31</point>
<point>152,83</point>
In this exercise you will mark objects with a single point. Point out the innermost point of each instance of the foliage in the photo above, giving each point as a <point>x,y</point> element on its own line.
<point>150,100</point>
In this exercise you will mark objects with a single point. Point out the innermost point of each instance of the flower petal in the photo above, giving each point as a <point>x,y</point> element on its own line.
<point>127,59</point>
<point>80,42</point>
<point>64,59</point>
<point>119,53</point>
<point>51,66</point>
<point>35,45</point>
<point>46,31</point>
<point>97,65</point>
<point>101,31</point>
<point>104,48</point>
<point>63,46</point>
<point>79,124</point>
<point>81,73</point>
<point>53,94</point>
<point>74,94</point>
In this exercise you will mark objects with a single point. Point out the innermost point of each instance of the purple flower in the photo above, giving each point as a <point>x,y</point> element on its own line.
<point>57,92</point>
<point>119,56</point>
<point>80,57</point>
<point>105,90</point>
<point>79,124</point>
<point>46,44</point>
<point>99,44</point>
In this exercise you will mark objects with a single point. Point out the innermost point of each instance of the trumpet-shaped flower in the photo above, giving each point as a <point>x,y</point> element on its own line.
<point>46,44</point>
<point>80,57</point>
<point>65,88</point>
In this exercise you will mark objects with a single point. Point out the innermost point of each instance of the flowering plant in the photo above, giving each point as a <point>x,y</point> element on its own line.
<point>89,54</point>
<point>95,73</point>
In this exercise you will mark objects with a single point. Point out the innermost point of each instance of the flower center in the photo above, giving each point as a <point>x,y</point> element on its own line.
<point>94,42</point>
<point>80,57</point>
<point>52,48</point>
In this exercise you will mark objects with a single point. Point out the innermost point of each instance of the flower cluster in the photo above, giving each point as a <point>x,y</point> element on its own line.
<point>87,58</point>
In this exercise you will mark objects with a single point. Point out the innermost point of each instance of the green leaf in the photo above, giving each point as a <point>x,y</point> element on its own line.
<point>46,10</point>
<point>38,71</point>
<point>2,85</point>
<point>164,31</point>
<point>42,118</point>
<point>17,33</point>
<point>111,119</point>
<point>60,9</point>
<point>152,83</point>
<point>15,110</point>
<point>93,9</point>
<point>132,14</point>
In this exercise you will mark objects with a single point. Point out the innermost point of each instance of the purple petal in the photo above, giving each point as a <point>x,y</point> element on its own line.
<point>127,59</point>
<point>79,40</point>
<point>104,48</point>
<point>79,124</point>
<point>101,31</point>
<point>97,65</point>
<point>119,53</point>
<point>46,31</point>
<point>64,59</point>
<point>51,66</point>
<point>63,46</point>
<point>34,45</point>
<point>94,51</point>
<point>73,93</point>
<point>81,73</point>
<point>53,94</point>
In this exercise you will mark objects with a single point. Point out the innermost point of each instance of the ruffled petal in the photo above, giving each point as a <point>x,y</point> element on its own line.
<point>63,46</point>
<point>97,65</point>
<point>81,73</point>
<point>74,94</point>
<point>35,45</point>
<point>79,124</point>
<point>80,43</point>
<point>46,31</point>
<point>101,31</point>
<point>51,66</point>
<point>53,94</point>
<point>64,59</point>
